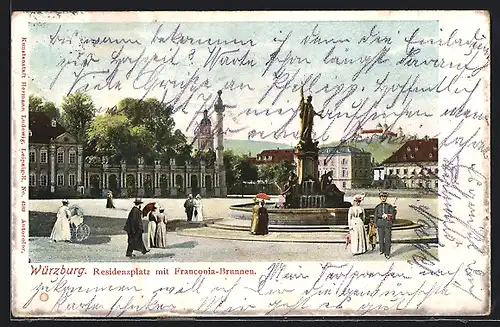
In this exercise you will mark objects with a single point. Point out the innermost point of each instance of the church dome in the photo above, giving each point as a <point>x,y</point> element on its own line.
<point>205,121</point>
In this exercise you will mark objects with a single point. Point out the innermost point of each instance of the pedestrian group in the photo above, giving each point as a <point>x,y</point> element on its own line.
<point>380,225</point>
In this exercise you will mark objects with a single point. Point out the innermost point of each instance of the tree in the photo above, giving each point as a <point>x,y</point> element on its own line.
<point>245,171</point>
<point>229,160</point>
<point>153,120</point>
<point>278,173</point>
<point>78,111</point>
<point>39,104</point>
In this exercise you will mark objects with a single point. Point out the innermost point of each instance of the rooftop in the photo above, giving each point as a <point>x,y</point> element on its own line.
<point>41,128</point>
<point>340,150</point>
<point>422,150</point>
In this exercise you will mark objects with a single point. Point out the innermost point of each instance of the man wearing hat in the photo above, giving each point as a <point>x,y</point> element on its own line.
<point>385,214</point>
<point>134,229</point>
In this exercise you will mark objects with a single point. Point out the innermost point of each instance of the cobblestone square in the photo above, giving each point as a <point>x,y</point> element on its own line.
<point>111,248</point>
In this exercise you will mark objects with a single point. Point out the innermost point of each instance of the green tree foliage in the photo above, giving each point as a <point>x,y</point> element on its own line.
<point>277,174</point>
<point>78,111</point>
<point>39,104</point>
<point>136,128</point>
<point>229,159</point>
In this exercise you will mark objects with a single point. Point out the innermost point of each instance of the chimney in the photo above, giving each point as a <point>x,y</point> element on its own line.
<point>53,123</point>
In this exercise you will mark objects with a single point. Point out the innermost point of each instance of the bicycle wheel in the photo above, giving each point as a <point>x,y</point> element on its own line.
<point>80,234</point>
<point>86,231</point>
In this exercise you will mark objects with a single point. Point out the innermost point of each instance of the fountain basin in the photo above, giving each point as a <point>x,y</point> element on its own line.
<point>299,216</point>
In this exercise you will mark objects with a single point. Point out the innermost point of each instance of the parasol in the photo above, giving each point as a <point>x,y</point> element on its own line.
<point>147,208</point>
<point>76,210</point>
<point>347,240</point>
<point>263,196</point>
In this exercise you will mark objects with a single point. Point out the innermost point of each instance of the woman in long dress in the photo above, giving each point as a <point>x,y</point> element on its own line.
<point>263,220</point>
<point>161,229</point>
<point>198,209</point>
<point>109,201</point>
<point>152,228</point>
<point>61,230</point>
<point>355,220</point>
<point>255,216</point>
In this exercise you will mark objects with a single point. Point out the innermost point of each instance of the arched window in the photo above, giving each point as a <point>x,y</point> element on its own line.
<point>32,178</point>
<point>43,179</point>
<point>60,179</point>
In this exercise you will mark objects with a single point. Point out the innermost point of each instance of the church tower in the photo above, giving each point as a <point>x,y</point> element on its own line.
<point>205,135</point>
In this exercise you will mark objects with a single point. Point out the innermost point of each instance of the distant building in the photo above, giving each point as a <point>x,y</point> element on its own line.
<point>380,130</point>
<point>204,133</point>
<point>55,157</point>
<point>273,156</point>
<point>414,165</point>
<point>351,166</point>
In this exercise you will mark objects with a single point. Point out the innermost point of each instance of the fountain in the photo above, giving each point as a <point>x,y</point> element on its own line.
<point>311,200</point>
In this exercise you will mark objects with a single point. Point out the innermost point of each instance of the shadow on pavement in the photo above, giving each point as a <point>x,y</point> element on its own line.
<point>150,255</point>
<point>183,245</point>
<point>94,240</point>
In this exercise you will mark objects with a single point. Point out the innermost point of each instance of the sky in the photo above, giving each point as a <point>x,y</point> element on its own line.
<point>159,61</point>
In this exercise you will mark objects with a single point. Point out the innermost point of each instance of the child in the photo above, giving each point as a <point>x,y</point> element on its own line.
<point>372,232</point>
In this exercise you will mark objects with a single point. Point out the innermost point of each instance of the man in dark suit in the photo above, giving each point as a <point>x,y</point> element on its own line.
<point>134,229</point>
<point>189,207</point>
<point>385,215</point>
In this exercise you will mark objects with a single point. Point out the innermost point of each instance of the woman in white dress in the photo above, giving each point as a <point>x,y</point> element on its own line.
<point>152,228</point>
<point>355,220</point>
<point>161,229</point>
<point>61,230</point>
<point>198,209</point>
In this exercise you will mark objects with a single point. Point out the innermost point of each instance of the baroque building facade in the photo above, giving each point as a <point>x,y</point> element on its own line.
<point>351,167</point>
<point>55,158</point>
<point>58,169</point>
<point>414,165</point>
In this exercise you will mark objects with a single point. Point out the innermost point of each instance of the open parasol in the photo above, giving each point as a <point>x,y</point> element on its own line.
<point>263,196</point>
<point>148,208</point>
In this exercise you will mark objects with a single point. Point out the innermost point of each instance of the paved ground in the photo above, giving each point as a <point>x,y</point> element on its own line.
<point>181,248</point>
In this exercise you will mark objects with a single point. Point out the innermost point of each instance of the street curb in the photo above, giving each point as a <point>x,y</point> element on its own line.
<point>257,238</point>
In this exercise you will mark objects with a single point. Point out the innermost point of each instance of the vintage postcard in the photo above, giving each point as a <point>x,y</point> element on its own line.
<point>190,164</point>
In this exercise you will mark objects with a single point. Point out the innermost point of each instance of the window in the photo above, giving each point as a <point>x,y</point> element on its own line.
<point>32,156</point>
<point>344,161</point>
<point>43,156</point>
<point>60,157</point>
<point>430,155</point>
<point>435,183</point>
<point>53,123</point>
<point>405,171</point>
<point>355,173</point>
<point>416,148</point>
<point>32,179</point>
<point>435,171</point>
<point>43,180</point>
<point>397,171</point>
<point>60,179</point>
<point>72,157</point>
<point>72,179</point>
<point>412,156</point>
<point>344,173</point>
<point>390,171</point>
<point>344,185</point>
<point>30,133</point>
<point>408,149</point>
